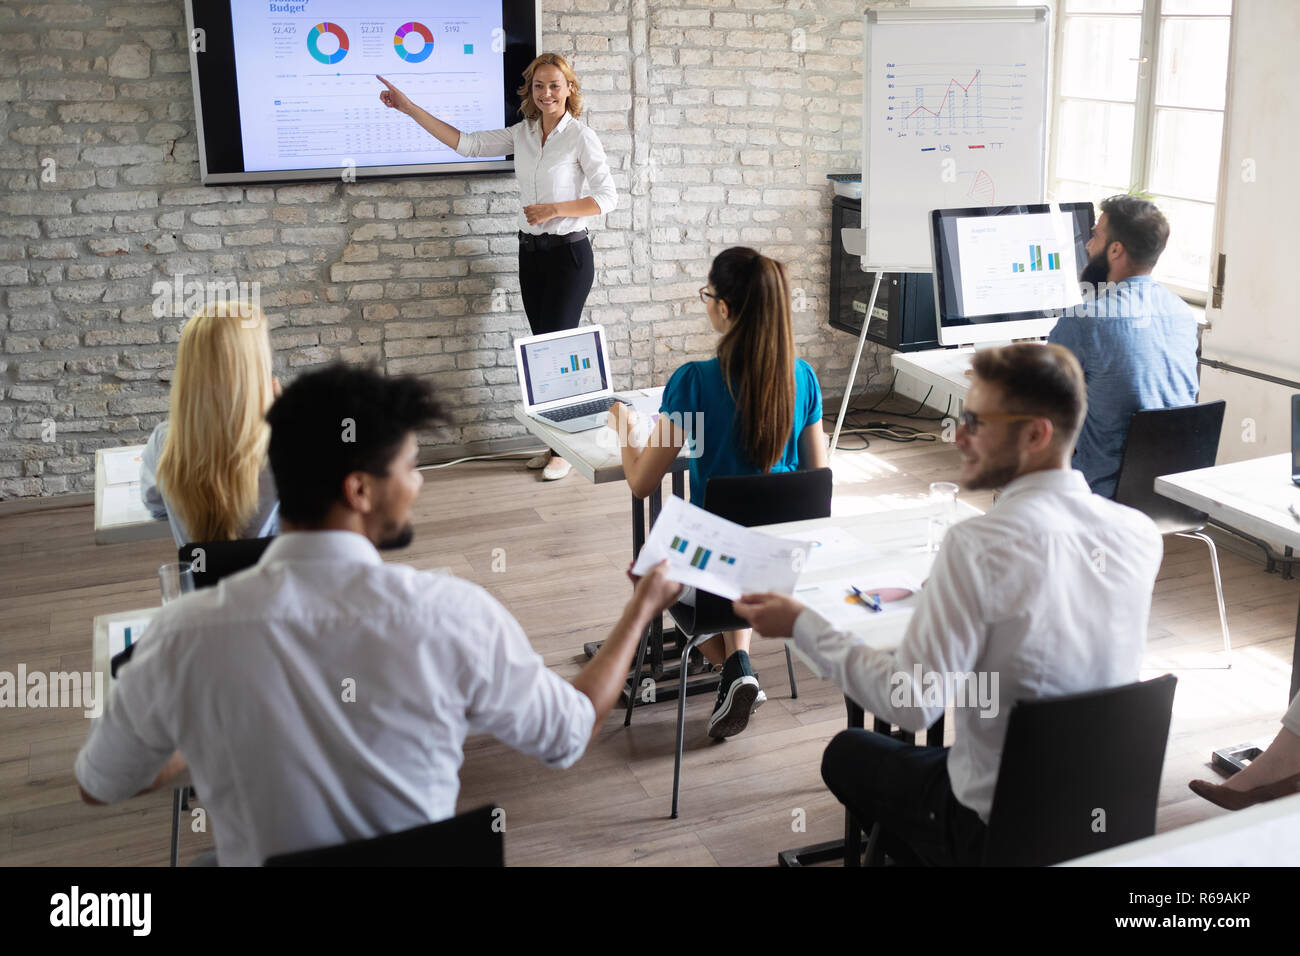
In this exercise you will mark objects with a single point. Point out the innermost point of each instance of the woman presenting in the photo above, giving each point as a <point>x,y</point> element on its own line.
<point>563,178</point>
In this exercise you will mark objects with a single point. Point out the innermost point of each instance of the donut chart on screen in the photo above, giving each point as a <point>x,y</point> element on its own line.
<point>400,47</point>
<point>316,32</point>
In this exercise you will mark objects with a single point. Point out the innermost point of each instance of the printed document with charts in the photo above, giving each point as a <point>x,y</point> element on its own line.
<point>719,556</point>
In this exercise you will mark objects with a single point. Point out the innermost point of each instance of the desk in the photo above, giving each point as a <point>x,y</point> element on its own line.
<point>595,455</point>
<point>1267,834</point>
<point>942,369</point>
<point>1250,496</point>
<point>120,515</point>
<point>897,543</point>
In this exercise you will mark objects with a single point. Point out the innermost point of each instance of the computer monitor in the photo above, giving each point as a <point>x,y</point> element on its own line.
<point>1006,272</point>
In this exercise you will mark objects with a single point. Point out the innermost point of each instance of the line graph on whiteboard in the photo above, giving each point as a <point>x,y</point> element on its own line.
<point>933,100</point>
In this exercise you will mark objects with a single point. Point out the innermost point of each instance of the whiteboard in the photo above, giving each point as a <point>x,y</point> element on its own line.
<point>954,105</point>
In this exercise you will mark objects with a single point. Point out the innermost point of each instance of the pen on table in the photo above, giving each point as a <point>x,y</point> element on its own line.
<point>1294,514</point>
<point>870,600</point>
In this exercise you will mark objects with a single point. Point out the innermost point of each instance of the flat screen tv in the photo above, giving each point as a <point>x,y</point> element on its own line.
<point>285,90</point>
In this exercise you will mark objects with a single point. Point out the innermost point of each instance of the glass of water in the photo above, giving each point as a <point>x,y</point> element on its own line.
<point>943,496</point>
<point>176,580</point>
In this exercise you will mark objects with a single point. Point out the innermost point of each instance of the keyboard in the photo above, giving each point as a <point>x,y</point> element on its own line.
<point>570,412</point>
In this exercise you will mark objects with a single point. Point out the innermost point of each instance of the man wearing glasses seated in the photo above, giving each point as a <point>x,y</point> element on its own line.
<point>1045,595</point>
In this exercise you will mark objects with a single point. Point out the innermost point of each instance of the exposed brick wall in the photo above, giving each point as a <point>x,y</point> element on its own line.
<point>720,121</point>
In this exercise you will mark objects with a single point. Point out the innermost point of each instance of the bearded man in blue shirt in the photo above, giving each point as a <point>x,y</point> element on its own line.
<point>1135,339</point>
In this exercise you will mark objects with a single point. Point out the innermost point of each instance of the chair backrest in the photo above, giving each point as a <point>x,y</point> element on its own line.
<point>474,838</point>
<point>221,559</point>
<point>751,500</point>
<point>1079,774</point>
<point>1165,441</point>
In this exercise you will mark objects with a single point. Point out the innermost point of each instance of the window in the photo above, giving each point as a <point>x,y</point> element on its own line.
<point>1139,105</point>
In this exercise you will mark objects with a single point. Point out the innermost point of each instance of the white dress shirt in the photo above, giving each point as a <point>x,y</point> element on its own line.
<point>324,696</point>
<point>264,523</point>
<point>1049,591</point>
<point>551,173</point>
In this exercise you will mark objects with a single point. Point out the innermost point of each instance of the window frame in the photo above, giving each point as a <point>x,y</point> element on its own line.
<point>1144,109</point>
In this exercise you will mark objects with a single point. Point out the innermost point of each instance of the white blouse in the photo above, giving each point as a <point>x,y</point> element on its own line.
<point>551,173</point>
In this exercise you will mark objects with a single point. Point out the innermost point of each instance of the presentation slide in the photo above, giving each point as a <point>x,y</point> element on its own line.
<point>308,97</point>
<point>1017,263</point>
<point>562,368</point>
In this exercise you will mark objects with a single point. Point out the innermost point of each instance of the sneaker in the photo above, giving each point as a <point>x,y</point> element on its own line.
<point>556,470</point>
<point>759,701</point>
<point>537,462</point>
<point>737,697</point>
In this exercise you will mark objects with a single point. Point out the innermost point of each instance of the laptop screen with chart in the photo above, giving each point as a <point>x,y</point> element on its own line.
<point>562,366</point>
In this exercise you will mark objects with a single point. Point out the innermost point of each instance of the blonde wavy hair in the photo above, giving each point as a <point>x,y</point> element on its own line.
<point>573,105</point>
<point>217,439</point>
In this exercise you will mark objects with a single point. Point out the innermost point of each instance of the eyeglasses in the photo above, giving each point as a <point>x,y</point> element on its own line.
<point>706,295</point>
<point>972,422</point>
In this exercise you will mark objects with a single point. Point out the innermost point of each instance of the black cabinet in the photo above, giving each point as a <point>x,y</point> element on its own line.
<point>904,316</point>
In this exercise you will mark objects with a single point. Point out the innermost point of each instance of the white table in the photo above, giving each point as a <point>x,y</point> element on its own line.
<point>942,369</point>
<point>1250,496</point>
<point>120,515</point>
<point>1267,834</point>
<point>896,545</point>
<point>594,453</point>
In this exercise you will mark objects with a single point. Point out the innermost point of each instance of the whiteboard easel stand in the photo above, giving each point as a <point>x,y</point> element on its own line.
<point>853,369</point>
<point>936,35</point>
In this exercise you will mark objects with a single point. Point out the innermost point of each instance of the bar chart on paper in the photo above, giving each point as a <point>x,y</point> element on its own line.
<point>700,557</point>
<point>717,556</point>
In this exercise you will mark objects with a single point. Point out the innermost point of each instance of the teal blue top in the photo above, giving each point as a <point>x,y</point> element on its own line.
<point>698,397</point>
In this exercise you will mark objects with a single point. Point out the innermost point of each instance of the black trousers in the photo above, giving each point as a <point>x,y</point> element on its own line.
<point>906,790</point>
<point>554,285</point>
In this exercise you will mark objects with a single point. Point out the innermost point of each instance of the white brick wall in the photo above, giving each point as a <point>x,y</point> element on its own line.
<point>720,120</point>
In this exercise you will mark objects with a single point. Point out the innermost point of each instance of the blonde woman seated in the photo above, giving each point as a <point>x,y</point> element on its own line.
<point>205,468</point>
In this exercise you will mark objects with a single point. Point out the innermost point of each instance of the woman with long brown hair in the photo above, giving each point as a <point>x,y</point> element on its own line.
<point>563,180</point>
<point>752,409</point>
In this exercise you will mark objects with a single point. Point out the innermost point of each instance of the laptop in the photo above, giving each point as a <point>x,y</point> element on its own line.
<point>564,377</point>
<point>1295,439</point>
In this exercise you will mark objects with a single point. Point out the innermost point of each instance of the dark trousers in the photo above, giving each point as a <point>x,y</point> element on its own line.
<point>906,790</point>
<point>554,285</point>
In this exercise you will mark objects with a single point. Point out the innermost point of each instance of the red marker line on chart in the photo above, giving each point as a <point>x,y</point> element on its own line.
<point>951,84</point>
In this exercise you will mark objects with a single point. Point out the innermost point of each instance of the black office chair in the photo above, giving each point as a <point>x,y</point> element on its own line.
<point>213,560</point>
<point>1079,774</point>
<point>747,500</point>
<point>1167,441</point>
<point>474,838</point>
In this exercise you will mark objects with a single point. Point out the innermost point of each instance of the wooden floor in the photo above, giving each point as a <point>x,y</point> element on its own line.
<point>565,547</point>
